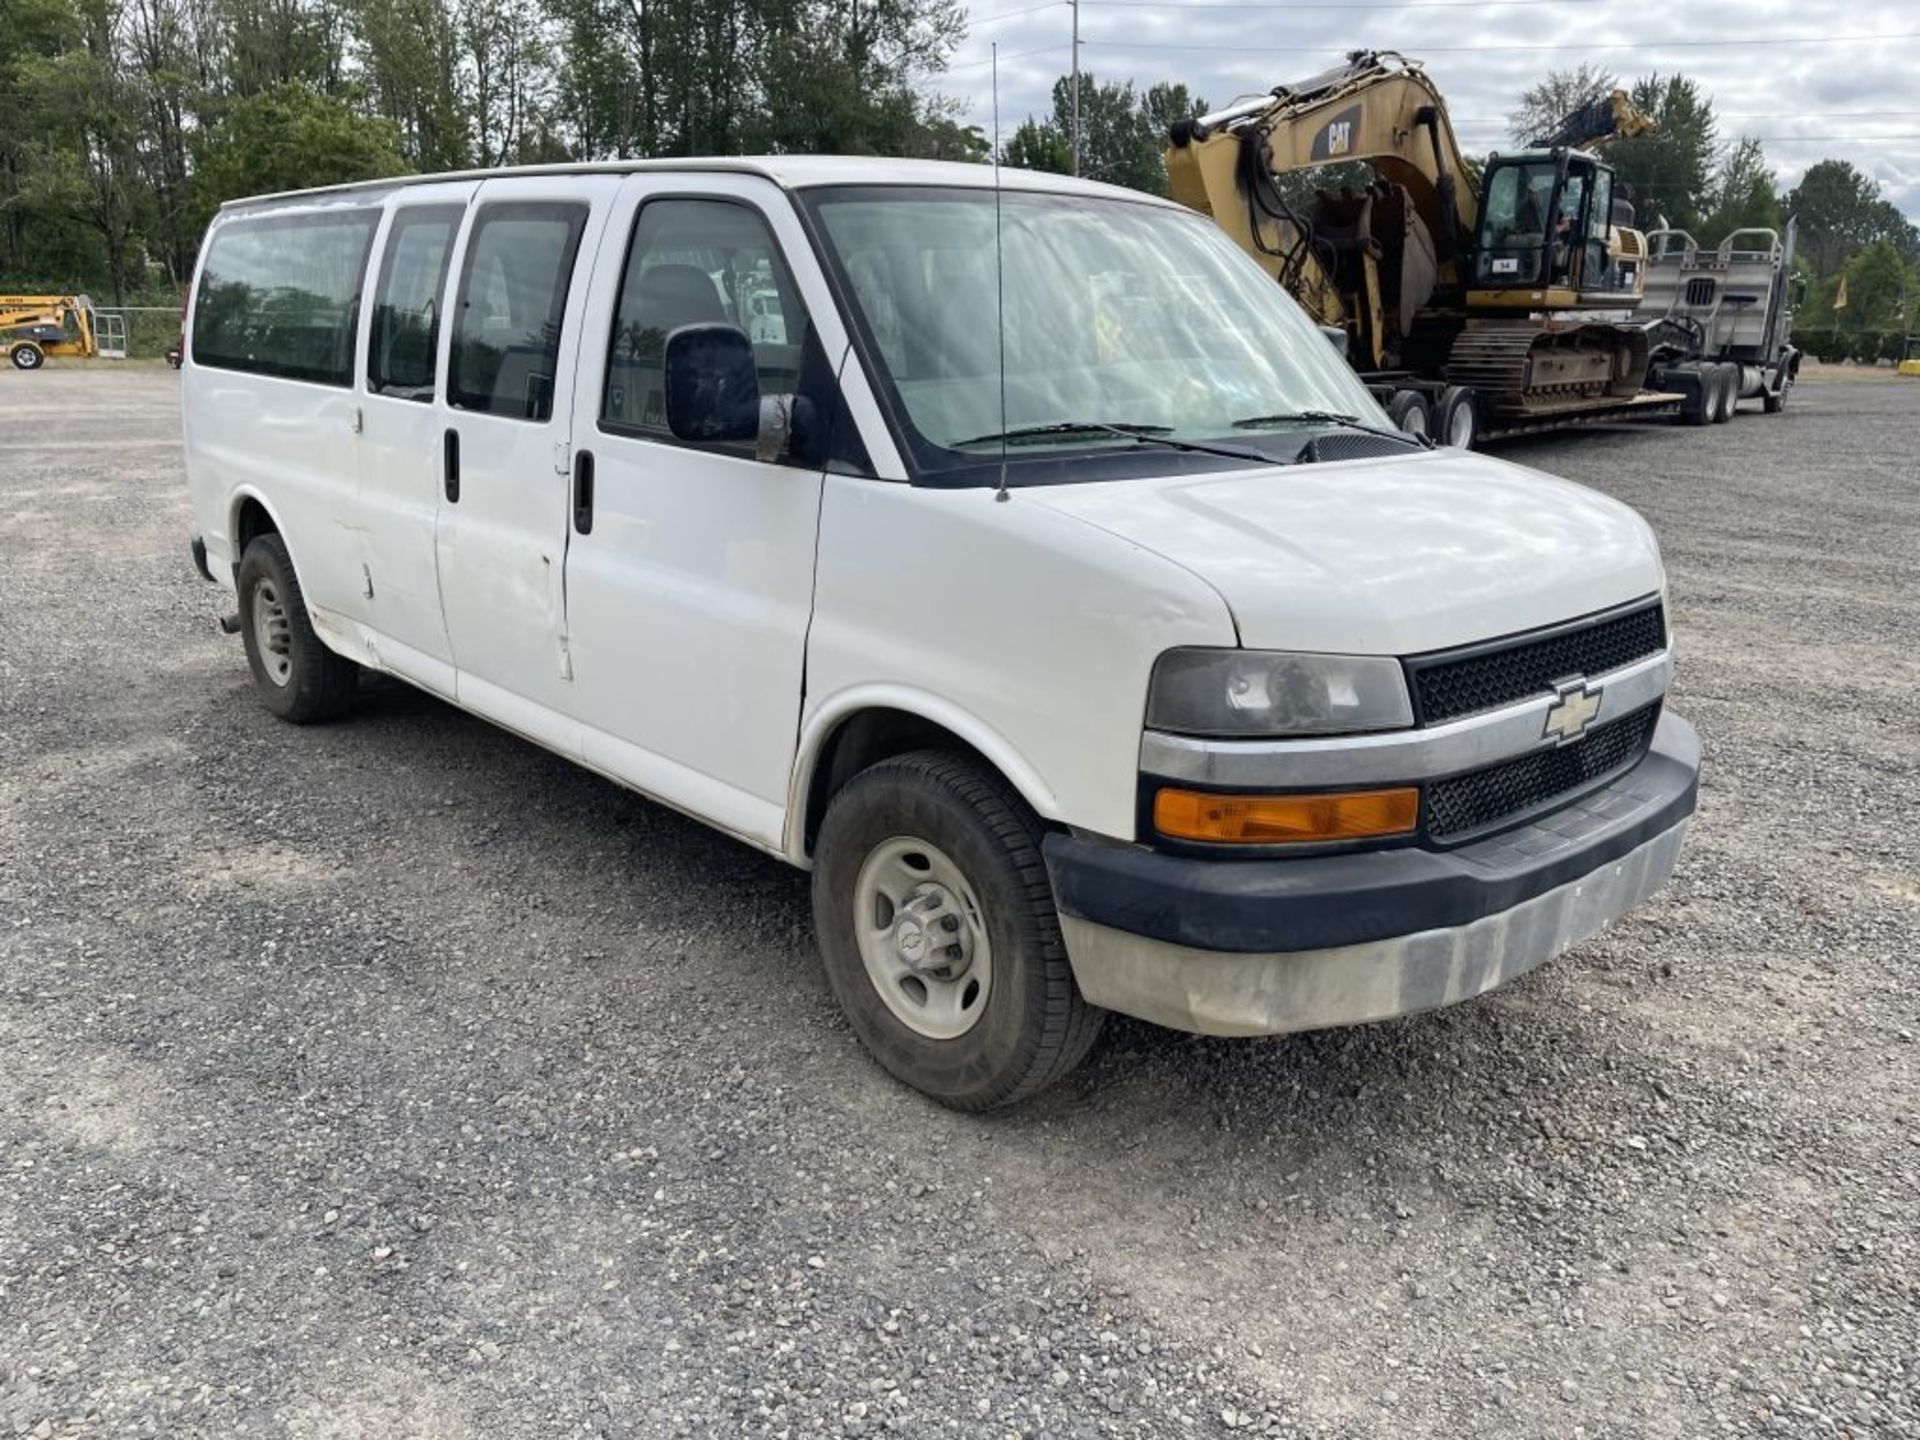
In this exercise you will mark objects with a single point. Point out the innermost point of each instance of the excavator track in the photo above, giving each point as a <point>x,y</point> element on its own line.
<point>1525,368</point>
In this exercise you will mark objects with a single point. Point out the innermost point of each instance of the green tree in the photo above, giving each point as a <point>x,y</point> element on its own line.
<point>1123,132</point>
<point>288,138</point>
<point>1669,174</point>
<point>1039,145</point>
<point>1745,196</point>
<point>1841,212</point>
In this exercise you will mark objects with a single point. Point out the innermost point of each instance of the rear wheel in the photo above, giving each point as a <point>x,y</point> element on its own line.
<point>1409,413</point>
<point>1697,395</point>
<point>936,922</point>
<point>297,676</point>
<point>1728,378</point>
<point>27,356</point>
<point>1456,419</point>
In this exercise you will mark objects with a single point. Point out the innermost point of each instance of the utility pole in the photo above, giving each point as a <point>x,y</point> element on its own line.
<point>1076,86</point>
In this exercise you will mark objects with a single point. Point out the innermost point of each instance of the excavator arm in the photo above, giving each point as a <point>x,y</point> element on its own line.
<point>1379,108</point>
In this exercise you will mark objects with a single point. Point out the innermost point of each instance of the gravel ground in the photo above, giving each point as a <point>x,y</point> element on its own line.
<point>397,1078</point>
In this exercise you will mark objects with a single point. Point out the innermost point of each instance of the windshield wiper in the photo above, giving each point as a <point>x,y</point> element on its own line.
<point>1068,427</point>
<point>1139,434</point>
<point>1322,417</point>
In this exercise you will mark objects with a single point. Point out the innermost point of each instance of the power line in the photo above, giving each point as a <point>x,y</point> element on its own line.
<point>1483,49</point>
<point>1016,55</point>
<point>1010,14</point>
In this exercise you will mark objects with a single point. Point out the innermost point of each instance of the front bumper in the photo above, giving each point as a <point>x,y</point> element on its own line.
<point>1261,947</point>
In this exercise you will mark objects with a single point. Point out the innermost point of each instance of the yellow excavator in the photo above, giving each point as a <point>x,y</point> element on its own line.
<point>1472,297</point>
<point>33,327</point>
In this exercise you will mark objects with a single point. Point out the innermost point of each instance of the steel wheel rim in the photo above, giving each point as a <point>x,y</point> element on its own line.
<point>923,938</point>
<point>1460,426</point>
<point>27,358</point>
<point>272,634</point>
<point>1414,422</point>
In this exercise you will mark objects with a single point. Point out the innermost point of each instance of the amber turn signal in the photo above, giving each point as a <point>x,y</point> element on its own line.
<point>1285,819</point>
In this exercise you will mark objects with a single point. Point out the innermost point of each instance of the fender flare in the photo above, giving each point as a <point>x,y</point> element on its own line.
<point>824,722</point>
<point>237,497</point>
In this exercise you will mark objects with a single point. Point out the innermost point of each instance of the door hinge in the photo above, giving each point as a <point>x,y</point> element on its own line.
<point>562,457</point>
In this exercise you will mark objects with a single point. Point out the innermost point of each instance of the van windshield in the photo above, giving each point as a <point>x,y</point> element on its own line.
<point>1119,314</point>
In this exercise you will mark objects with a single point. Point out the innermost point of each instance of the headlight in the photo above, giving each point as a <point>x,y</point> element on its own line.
<point>1267,692</point>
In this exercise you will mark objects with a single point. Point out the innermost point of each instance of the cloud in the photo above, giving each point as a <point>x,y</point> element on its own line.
<point>1820,96</point>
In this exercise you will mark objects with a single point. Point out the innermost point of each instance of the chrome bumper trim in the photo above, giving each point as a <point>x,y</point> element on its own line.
<point>1398,755</point>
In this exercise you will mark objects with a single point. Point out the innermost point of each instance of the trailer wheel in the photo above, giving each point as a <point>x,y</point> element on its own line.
<point>1409,413</point>
<point>1456,419</point>
<point>27,356</point>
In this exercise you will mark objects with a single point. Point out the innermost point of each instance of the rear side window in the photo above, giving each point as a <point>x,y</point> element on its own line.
<point>513,292</point>
<point>281,295</point>
<point>404,350</point>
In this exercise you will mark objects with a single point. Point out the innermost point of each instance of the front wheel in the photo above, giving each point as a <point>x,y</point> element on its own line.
<point>937,926</point>
<point>298,677</point>
<point>27,356</point>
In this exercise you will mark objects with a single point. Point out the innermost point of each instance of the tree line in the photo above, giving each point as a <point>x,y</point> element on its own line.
<point>125,123</point>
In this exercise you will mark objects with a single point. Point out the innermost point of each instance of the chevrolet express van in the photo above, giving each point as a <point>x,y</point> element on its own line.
<point>1016,558</point>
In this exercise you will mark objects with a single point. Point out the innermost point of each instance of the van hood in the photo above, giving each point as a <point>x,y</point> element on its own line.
<point>1383,557</point>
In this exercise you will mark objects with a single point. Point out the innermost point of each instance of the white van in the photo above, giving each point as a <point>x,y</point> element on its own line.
<point>1020,561</point>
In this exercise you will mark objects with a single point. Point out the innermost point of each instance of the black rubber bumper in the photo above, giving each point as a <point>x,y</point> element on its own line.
<point>1319,902</point>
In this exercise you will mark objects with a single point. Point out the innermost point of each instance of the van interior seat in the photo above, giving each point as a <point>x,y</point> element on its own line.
<point>669,296</point>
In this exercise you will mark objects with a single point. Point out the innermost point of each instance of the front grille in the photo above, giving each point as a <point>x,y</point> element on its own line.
<point>1451,684</point>
<point>1480,798</point>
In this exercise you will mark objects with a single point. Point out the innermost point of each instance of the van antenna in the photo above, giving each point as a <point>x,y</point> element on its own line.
<point>999,277</point>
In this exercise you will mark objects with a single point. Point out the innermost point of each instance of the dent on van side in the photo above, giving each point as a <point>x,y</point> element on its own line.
<point>1022,564</point>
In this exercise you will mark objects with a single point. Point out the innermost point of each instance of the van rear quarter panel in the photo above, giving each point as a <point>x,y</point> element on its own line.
<point>292,443</point>
<point>1029,633</point>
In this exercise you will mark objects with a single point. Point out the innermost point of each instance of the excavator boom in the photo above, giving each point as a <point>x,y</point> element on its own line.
<point>1430,261</point>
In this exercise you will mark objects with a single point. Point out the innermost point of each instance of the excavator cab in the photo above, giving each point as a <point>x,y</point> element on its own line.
<point>1545,222</point>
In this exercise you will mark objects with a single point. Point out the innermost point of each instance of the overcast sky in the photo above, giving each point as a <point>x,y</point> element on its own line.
<point>1810,97</point>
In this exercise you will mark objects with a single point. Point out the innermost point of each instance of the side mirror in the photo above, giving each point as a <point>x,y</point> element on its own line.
<point>712,386</point>
<point>1336,337</point>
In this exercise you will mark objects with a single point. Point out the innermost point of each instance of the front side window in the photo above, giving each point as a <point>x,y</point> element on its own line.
<point>280,295</point>
<point>1117,312</point>
<point>699,262</point>
<point>513,294</point>
<point>402,357</point>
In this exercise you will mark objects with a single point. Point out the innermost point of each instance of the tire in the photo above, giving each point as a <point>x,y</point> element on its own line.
<point>1698,393</point>
<point>1774,401</point>
<point>27,356</point>
<point>950,819</point>
<point>1728,378</point>
<point>1456,419</point>
<point>298,677</point>
<point>1409,413</point>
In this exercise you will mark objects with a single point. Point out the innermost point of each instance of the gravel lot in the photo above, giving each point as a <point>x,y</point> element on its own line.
<point>397,1078</point>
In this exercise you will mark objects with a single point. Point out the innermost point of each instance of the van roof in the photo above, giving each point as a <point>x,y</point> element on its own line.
<point>791,172</point>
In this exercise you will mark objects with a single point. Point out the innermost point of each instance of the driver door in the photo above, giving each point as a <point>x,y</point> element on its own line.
<point>689,576</point>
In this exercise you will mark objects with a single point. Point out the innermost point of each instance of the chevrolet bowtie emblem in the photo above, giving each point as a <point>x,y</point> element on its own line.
<point>1573,709</point>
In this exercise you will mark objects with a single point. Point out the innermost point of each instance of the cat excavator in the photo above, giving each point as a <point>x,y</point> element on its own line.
<point>1473,298</point>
